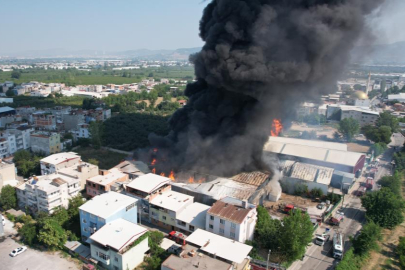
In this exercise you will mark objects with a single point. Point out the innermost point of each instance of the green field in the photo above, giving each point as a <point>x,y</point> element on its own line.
<point>76,77</point>
<point>107,159</point>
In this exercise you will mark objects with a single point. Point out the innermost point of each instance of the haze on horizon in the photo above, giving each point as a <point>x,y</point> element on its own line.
<point>111,26</point>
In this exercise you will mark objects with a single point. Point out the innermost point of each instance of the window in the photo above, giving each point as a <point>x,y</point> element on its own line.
<point>84,221</point>
<point>221,231</point>
<point>222,221</point>
<point>191,228</point>
<point>233,225</point>
<point>85,229</point>
<point>182,223</point>
<point>116,259</point>
<point>103,256</point>
<point>164,217</point>
<point>211,226</point>
<point>232,235</point>
<point>212,217</point>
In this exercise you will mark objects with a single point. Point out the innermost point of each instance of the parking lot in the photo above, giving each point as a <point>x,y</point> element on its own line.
<point>30,259</point>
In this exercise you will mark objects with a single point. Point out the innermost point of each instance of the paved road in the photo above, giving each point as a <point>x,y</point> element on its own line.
<point>317,257</point>
<point>30,259</point>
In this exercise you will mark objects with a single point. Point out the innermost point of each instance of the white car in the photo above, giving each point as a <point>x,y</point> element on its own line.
<point>18,251</point>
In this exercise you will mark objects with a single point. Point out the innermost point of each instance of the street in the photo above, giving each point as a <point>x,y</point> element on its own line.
<point>320,257</point>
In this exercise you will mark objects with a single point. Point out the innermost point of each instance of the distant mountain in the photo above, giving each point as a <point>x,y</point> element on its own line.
<point>141,54</point>
<point>380,54</point>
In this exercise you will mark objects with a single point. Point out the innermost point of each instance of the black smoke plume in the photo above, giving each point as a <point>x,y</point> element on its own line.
<point>261,58</point>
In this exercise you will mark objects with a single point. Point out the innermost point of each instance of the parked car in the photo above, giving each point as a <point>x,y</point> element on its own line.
<point>321,205</point>
<point>18,251</point>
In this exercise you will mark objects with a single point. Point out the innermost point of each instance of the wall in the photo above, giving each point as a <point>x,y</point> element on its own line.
<point>133,257</point>
<point>40,145</point>
<point>71,121</point>
<point>289,183</point>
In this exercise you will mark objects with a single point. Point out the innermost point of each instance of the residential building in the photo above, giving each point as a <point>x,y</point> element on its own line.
<point>100,184</point>
<point>55,162</point>
<point>17,139</point>
<point>133,168</point>
<point>72,120</point>
<point>5,120</point>
<point>192,217</point>
<point>114,246</point>
<point>7,173</point>
<point>44,120</point>
<point>82,131</point>
<point>4,111</point>
<point>45,193</point>
<point>4,148</point>
<point>232,219</point>
<point>165,208</point>
<point>104,209</point>
<point>45,142</point>
<point>210,251</point>
<point>145,188</point>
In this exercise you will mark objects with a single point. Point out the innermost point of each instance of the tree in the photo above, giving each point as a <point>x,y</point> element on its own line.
<point>29,233</point>
<point>10,93</point>
<point>386,119</point>
<point>93,161</point>
<point>384,208</point>
<point>350,261</point>
<point>267,229</point>
<point>295,234</point>
<point>368,239</point>
<point>378,148</point>
<point>378,134</point>
<point>311,135</point>
<point>8,197</point>
<point>348,127</point>
<point>73,223</point>
<point>61,216</point>
<point>52,234</point>
<point>15,74</point>
<point>27,164</point>
<point>96,131</point>
<point>316,192</point>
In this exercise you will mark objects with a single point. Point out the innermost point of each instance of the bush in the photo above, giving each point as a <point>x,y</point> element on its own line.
<point>316,192</point>
<point>367,240</point>
<point>8,197</point>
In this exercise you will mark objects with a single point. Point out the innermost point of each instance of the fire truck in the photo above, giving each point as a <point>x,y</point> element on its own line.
<point>177,237</point>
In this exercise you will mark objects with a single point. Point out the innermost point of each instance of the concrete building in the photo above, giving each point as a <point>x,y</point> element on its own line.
<point>165,208</point>
<point>45,142</point>
<point>7,173</point>
<point>363,115</point>
<point>45,193</point>
<point>113,245</point>
<point>232,219</point>
<point>4,148</point>
<point>5,120</point>
<point>44,120</point>
<point>192,218</point>
<point>72,120</point>
<point>5,111</point>
<point>82,131</point>
<point>232,254</point>
<point>100,184</point>
<point>104,209</point>
<point>145,188</point>
<point>17,139</point>
<point>400,97</point>
<point>55,162</point>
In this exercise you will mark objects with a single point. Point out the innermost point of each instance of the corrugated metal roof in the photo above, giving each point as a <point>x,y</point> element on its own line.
<point>314,143</point>
<point>252,178</point>
<point>308,172</point>
<point>229,212</point>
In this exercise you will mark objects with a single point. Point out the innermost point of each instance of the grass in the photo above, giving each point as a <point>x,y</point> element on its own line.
<point>107,159</point>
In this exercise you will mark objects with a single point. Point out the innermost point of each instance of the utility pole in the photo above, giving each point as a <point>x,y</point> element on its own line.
<point>268,257</point>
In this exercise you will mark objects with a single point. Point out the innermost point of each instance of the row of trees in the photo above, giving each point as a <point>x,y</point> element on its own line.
<point>27,163</point>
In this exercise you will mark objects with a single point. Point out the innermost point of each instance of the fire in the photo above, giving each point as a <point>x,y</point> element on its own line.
<point>201,180</point>
<point>153,162</point>
<point>162,174</point>
<point>191,180</point>
<point>276,127</point>
<point>155,150</point>
<point>171,176</point>
<point>154,170</point>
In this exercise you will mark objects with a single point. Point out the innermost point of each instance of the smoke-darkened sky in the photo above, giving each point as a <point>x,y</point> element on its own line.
<point>127,24</point>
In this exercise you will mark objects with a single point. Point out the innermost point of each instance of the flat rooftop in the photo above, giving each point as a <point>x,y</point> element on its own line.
<point>199,261</point>
<point>60,157</point>
<point>194,214</point>
<point>172,200</point>
<point>314,143</point>
<point>118,234</point>
<point>149,182</point>
<point>111,177</point>
<point>107,204</point>
<point>308,172</point>
<point>219,246</point>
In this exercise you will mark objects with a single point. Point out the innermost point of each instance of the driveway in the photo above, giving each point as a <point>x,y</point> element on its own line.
<point>30,259</point>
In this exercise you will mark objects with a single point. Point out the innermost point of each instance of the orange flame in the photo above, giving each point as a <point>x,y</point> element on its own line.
<point>171,176</point>
<point>201,180</point>
<point>162,174</point>
<point>153,162</point>
<point>154,170</point>
<point>276,127</point>
<point>191,180</point>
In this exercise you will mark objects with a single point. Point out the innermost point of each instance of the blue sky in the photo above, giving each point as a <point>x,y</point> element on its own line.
<point>99,24</point>
<point>116,25</point>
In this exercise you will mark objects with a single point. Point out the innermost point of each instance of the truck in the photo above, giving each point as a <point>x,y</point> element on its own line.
<point>321,239</point>
<point>336,219</point>
<point>338,246</point>
<point>369,183</point>
<point>289,208</point>
<point>177,237</point>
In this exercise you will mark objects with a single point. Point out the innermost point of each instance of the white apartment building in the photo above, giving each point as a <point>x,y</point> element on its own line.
<point>192,217</point>
<point>112,246</point>
<point>363,116</point>
<point>82,131</point>
<point>55,162</point>
<point>45,193</point>
<point>232,218</point>
<point>17,139</point>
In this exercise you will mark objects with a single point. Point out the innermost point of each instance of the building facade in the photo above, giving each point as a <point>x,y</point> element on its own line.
<point>44,142</point>
<point>100,184</point>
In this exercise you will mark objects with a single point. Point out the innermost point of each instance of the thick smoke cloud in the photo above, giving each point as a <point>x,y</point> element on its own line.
<point>260,59</point>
